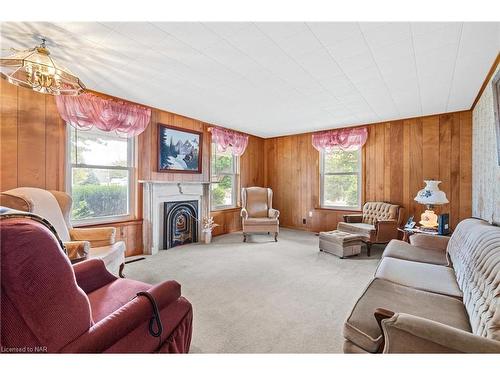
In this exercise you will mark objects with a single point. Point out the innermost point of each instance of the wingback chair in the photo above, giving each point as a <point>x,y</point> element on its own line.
<point>378,223</point>
<point>80,243</point>
<point>258,215</point>
<point>48,305</point>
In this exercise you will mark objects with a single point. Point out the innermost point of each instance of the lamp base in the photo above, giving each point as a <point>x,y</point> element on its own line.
<point>429,219</point>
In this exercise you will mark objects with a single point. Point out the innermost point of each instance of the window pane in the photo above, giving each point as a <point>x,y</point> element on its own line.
<point>222,192</point>
<point>341,190</point>
<point>222,162</point>
<point>341,161</point>
<point>95,147</point>
<point>99,192</point>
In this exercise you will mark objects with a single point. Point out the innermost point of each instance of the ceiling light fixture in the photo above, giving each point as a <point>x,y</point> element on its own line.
<point>36,70</point>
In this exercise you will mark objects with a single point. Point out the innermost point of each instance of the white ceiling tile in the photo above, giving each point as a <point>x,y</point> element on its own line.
<point>281,30</point>
<point>193,33</point>
<point>93,31</point>
<point>386,33</point>
<point>319,63</point>
<point>300,43</point>
<point>352,46</point>
<point>442,38</point>
<point>226,29</point>
<point>356,63</point>
<point>334,32</point>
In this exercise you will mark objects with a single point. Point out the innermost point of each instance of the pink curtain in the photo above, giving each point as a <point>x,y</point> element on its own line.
<point>86,111</point>
<point>345,139</point>
<point>225,138</point>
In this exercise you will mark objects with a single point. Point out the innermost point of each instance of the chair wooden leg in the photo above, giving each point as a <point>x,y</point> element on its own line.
<point>120,271</point>
<point>368,248</point>
<point>244,237</point>
<point>276,237</point>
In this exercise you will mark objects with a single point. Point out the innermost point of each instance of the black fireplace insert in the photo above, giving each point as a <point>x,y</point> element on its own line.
<point>180,223</point>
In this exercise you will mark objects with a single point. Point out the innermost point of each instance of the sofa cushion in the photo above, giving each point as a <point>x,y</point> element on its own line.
<point>474,249</point>
<point>403,250</point>
<point>363,229</point>
<point>362,329</point>
<point>437,279</point>
<point>261,221</point>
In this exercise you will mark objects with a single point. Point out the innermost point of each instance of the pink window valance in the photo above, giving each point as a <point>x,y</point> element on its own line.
<point>228,139</point>
<point>345,139</point>
<point>86,111</point>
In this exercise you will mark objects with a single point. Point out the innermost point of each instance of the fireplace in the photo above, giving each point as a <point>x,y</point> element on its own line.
<point>155,194</point>
<point>180,223</point>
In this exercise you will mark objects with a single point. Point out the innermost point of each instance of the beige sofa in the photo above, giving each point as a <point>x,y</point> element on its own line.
<point>257,213</point>
<point>378,223</point>
<point>437,295</point>
<point>55,206</point>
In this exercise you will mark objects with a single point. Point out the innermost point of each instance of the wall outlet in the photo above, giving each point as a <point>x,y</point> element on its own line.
<point>303,221</point>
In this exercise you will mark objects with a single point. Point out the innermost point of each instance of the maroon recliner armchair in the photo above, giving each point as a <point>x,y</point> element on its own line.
<point>48,305</point>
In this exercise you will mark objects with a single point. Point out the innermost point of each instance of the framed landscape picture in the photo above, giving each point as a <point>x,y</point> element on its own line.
<point>179,150</point>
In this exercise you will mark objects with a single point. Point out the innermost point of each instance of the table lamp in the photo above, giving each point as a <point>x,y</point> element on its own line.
<point>430,195</point>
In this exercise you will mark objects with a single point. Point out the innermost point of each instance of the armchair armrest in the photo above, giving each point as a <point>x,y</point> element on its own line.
<point>386,230</point>
<point>405,333</point>
<point>123,321</point>
<point>273,213</point>
<point>103,236</point>
<point>353,218</point>
<point>430,241</point>
<point>92,274</point>
<point>244,213</point>
<point>77,249</point>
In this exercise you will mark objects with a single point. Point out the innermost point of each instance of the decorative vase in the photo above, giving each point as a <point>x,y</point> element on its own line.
<point>208,236</point>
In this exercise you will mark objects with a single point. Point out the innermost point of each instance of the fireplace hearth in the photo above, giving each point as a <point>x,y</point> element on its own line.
<point>180,223</point>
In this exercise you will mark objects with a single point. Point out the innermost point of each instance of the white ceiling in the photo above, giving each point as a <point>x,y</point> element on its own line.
<point>278,78</point>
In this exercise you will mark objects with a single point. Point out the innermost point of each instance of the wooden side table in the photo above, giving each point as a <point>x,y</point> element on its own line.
<point>406,233</point>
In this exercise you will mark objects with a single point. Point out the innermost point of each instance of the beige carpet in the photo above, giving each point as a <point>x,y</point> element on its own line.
<point>262,296</point>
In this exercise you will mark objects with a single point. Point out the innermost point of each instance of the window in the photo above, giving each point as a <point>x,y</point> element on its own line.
<point>341,179</point>
<point>224,179</point>
<point>100,175</point>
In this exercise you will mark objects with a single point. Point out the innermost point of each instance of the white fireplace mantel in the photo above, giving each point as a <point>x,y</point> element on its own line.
<point>155,194</point>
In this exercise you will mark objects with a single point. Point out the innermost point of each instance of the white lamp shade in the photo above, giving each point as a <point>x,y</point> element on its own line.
<point>430,194</point>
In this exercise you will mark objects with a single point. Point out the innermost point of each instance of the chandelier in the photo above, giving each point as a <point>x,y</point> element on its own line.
<point>36,70</point>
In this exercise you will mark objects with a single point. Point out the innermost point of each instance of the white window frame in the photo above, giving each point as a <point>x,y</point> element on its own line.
<point>322,175</point>
<point>236,180</point>
<point>131,163</point>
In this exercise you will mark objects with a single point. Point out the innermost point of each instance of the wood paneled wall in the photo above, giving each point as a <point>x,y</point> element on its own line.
<point>32,140</point>
<point>398,156</point>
